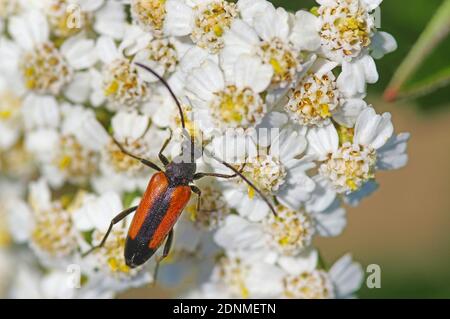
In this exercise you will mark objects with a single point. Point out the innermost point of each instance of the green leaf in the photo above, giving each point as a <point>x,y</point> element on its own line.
<point>436,31</point>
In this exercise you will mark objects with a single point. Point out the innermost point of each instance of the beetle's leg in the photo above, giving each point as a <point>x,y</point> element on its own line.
<point>225,176</point>
<point>115,220</point>
<point>166,252</point>
<point>142,160</point>
<point>201,175</point>
<point>197,191</point>
<point>161,156</point>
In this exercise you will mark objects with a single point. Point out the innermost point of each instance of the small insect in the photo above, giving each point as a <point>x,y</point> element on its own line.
<point>165,198</point>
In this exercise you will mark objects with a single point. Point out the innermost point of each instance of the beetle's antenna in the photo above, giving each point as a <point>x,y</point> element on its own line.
<point>245,179</point>
<point>164,82</point>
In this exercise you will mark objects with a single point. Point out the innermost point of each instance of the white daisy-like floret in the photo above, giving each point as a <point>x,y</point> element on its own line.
<point>287,234</point>
<point>235,277</point>
<point>52,234</point>
<point>349,160</point>
<point>269,40</point>
<point>229,101</point>
<point>298,277</point>
<point>162,54</point>
<point>346,31</point>
<point>150,15</point>
<point>317,99</point>
<point>119,84</point>
<point>77,153</point>
<point>277,170</point>
<point>213,206</point>
<point>43,67</point>
<point>61,139</point>
<point>205,21</point>
<point>120,172</point>
<point>346,28</point>
<point>95,215</point>
<point>303,279</point>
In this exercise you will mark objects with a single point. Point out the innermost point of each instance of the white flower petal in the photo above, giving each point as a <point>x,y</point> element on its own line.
<point>129,125</point>
<point>372,4</point>
<point>322,197</point>
<point>349,111</point>
<point>382,44</point>
<point>79,52</point>
<point>322,141</point>
<point>179,18</point>
<point>354,198</point>
<point>250,8</point>
<point>206,80</point>
<point>331,222</point>
<point>305,35</point>
<point>305,262</point>
<point>347,276</point>
<point>372,129</point>
<point>393,154</point>
<point>250,72</point>
<point>110,20</point>
<point>273,23</point>
<point>79,90</point>
<point>29,29</point>
<point>265,281</point>
<point>107,50</point>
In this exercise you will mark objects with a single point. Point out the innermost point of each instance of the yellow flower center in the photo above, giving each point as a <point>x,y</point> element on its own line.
<point>150,14</point>
<point>45,70</point>
<point>291,231</point>
<point>314,100</point>
<point>10,105</point>
<point>232,272</point>
<point>121,162</point>
<point>122,85</point>
<point>283,58</point>
<point>53,232</point>
<point>235,107</point>
<point>74,160</point>
<point>213,208</point>
<point>163,52</point>
<point>267,172</point>
<point>17,162</point>
<point>309,285</point>
<point>211,21</point>
<point>350,167</point>
<point>111,254</point>
<point>347,29</point>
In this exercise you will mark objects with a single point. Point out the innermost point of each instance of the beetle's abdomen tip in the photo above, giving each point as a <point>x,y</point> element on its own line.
<point>136,254</point>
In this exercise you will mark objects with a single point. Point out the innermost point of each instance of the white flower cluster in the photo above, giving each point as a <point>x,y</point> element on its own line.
<point>70,83</point>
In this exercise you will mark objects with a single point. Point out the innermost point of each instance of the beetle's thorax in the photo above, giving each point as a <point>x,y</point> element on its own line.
<point>181,173</point>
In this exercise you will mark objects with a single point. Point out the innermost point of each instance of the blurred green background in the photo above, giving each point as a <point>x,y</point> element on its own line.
<point>404,227</point>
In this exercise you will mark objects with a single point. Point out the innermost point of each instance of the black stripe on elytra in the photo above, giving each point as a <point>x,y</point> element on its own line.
<point>154,217</point>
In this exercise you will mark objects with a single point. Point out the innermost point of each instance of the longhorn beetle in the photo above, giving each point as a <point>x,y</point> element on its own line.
<point>167,194</point>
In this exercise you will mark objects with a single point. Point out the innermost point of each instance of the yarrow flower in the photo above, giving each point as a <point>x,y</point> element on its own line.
<point>278,95</point>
